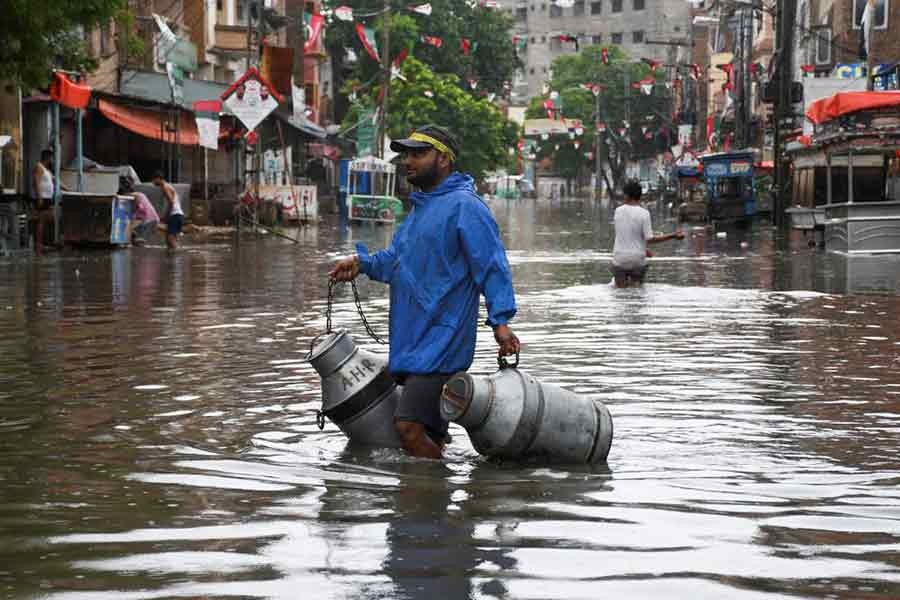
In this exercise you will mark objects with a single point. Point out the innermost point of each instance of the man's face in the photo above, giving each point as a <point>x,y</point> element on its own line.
<point>47,160</point>
<point>157,182</point>
<point>422,167</point>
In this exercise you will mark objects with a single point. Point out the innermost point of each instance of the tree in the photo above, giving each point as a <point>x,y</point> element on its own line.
<point>36,37</point>
<point>491,60</point>
<point>619,103</point>
<point>422,96</point>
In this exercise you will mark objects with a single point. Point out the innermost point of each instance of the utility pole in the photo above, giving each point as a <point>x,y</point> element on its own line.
<point>598,137</point>
<point>784,106</point>
<point>296,39</point>
<point>386,73</point>
<point>870,58</point>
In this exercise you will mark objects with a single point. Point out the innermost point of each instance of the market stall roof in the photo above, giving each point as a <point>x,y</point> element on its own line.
<point>304,125</point>
<point>149,85</point>
<point>844,103</point>
<point>372,164</point>
<point>147,123</point>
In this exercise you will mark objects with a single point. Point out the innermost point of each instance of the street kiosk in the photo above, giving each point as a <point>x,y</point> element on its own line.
<point>375,207</point>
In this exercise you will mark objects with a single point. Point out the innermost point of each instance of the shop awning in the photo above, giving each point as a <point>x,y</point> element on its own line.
<point>147,123</point>
<point>844,103</point>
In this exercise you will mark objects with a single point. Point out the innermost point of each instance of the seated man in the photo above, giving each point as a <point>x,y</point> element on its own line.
<point>145,218</point>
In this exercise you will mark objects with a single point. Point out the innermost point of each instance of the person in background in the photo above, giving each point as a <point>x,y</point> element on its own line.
<point>42,192</point>
<point>145,218</point>
<point>633,233</point>
<point>445,255</point>
<point>172,215</point>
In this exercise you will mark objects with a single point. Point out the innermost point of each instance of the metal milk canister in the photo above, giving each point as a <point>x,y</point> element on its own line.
<point>358,394</point>
<point>510,414</point>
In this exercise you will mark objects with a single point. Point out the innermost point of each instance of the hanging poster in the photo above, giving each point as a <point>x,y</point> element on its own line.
<point>251,98</point>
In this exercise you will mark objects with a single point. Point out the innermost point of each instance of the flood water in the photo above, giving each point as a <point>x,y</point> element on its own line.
<point>158,435</point>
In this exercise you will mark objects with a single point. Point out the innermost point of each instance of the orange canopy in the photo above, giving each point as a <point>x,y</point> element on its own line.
<point>844,103</point>
<point>147,123</point>
<point>69,93</point>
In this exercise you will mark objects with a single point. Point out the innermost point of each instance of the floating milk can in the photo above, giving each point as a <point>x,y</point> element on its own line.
<point>358,394</point>
<point>512,415</point>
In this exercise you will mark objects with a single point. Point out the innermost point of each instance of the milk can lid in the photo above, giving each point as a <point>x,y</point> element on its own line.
<point>457,396</point>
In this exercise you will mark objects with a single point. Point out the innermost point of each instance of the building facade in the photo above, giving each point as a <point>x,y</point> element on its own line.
<point>653,29</point>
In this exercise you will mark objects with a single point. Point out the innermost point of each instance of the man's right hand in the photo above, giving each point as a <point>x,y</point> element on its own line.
<point>345,269</point>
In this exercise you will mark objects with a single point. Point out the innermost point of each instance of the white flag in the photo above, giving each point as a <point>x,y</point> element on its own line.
<point>344,13</point>
<point>208,129</point>
<point>422,9</point>
<point>866,23</point>
<point>167,39</point>
<point>298,99</point>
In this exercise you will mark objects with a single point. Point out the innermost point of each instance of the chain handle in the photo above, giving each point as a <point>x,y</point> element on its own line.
<point>504,364</point>
<point>362,315</point>
<point>328,310</point>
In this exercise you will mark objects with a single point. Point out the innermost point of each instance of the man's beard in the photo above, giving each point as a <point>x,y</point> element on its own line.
<point>425,180</point>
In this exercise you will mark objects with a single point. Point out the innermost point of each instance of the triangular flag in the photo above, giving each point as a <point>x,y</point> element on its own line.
<point>367,37</point>
<point>432,40</point>
<point>473,83</point>
<point>491,96</point>
<point>314,25</point>
<point>622,131</point>
<point>601,127</point>
<point>647,86</point>
<point>604,55</point>
<point>653,64</point>
<point>577,144</point>
<point>865,29</point>
<point>344,13</point>
<point>465,45</point>
<point>397,62</point>
<point>429,93</point>
<point>206,114</point>
<point>422,9</point>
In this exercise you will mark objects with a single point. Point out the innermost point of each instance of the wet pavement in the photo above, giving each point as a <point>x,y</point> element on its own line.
<point>158,435</point>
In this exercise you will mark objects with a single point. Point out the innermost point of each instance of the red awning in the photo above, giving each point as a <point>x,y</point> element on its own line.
<point>147,123</point>
<point>844,103</point>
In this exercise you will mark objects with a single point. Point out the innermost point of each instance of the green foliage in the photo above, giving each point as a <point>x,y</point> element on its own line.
<point>484,133</point>
<point>130,44</point>
<point>618,100</point>
<point>36,37</point>
<point>492,60</point>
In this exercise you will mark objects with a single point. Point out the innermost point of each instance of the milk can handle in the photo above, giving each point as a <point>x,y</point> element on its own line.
<point>504,364</point>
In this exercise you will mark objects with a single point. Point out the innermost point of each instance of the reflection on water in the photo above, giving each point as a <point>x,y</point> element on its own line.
<point>158,436</point>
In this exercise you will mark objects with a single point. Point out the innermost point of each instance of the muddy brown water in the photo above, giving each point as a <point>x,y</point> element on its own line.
<point>158,435</point>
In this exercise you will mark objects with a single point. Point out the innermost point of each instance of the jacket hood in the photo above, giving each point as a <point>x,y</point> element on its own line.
<point>454,182</point>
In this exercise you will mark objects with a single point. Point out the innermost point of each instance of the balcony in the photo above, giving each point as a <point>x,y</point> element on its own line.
<point>230,39</point>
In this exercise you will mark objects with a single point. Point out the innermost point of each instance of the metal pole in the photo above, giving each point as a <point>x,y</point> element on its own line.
<point>870,58</point>
<point>386,71</point>
<point>57,192</point>
<point>784,108</point>
<point>598,191</point>
<point>79,150</point>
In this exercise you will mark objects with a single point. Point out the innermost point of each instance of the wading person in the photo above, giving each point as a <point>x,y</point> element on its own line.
<point>445,255</point>
<point>42,192</point>
<point>145,217</point>
<point>633,233</point>
<point>172,215</point>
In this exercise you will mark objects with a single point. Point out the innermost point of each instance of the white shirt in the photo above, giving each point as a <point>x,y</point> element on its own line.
<point>176,202</point>
<point>45,185</point>
<point>633,229</point>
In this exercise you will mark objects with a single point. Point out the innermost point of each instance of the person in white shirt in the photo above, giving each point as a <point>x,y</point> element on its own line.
<point>42,191</point>
<point>633,233</point>
<point>172,215</point>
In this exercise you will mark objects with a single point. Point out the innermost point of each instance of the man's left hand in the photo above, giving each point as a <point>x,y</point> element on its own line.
<point>507,340</point>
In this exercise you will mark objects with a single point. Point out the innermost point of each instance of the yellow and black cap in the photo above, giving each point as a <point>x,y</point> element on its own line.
<point>429,136</point>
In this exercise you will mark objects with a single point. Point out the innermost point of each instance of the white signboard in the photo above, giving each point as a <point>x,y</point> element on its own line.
<point>208,129</point>
<point>306,207</point>
<point>251,103</point>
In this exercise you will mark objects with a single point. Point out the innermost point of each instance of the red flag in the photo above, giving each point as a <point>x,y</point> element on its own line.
<point>807,68</point>
<point>548,106</point>
<point>653,64</point>
<point>432,40</point>
<point>314,25</point>
<point>465,45</point>
<point>367,37</point>
<point>398,60</point>
<point>695,71</point>
<point>604,55</point>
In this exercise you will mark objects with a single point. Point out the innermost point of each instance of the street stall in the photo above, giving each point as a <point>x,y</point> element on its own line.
<point>97,218</point>
<point>862,208</point>
<point>730,191</point>
<point>690,193</point>
<point>379,205</point>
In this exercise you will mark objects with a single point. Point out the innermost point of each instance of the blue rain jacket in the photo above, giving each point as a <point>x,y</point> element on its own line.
<point>445,254</point>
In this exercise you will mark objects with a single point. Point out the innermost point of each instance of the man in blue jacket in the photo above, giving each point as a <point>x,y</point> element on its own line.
<point>444,256</point>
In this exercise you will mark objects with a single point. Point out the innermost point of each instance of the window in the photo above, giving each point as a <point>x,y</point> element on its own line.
<point>596,8</point>
<point>617,38</point>
<point>638,4</point>
<point>543,39</point>
<point>522,14</point>
<point>531,70</point>
<point>532,8</point>
<point>543,7</point>
<point>555,11</point>
<point>881,12</point>
<point>637,37</point>
<point>578,8</point>
<point>597,38</point>
<point>555,44</point>
<point>616,6</point>
<point>823,45</point>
